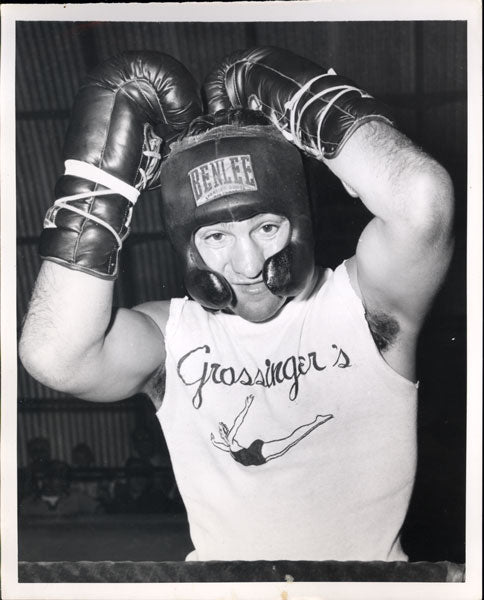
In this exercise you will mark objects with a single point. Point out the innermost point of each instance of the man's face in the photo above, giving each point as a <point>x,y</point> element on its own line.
<point>55,486</point>
<point>238,250</point>
<point>39,449</point>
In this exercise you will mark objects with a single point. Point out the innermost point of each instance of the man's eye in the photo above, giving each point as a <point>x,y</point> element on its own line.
<point>269,228</point>
<point>214,237</point>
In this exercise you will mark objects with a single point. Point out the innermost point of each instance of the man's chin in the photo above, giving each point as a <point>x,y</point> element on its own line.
<point>259,312</point>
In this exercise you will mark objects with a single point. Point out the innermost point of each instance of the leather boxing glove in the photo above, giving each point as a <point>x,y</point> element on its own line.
<point>313,107</point>
<point>126,110</point>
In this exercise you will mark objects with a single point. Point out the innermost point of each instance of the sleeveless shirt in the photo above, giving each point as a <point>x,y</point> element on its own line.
<point>291,439</point>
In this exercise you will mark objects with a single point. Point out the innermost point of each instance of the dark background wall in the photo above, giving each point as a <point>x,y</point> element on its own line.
<point>419,68</point>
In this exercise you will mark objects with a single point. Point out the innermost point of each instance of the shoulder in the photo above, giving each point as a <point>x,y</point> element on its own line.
<point>158,311</point>
<point>314,284</point>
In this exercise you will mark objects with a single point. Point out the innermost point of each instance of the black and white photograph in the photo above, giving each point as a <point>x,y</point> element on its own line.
<point>241,300</point>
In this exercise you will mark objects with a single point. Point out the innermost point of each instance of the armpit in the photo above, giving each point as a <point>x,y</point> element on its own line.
<point>384,329</point>
<point>155,388</point>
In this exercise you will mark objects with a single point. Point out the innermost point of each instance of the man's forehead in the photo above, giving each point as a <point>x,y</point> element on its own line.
<point>258,218</point>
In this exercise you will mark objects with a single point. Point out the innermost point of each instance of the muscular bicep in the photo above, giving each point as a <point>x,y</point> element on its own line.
<point>132,352</point>
<point>72,341</point>
<point>404,251</point>
<point>401,262</point>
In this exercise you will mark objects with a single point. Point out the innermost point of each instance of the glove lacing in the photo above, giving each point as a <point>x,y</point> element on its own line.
<point>289,123</point>
<point>114,185</point>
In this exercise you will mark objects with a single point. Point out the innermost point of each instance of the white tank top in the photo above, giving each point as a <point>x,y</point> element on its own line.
<point>291,439</point>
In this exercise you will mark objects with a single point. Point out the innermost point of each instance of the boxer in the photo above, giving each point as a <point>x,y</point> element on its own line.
<point>286,391</point>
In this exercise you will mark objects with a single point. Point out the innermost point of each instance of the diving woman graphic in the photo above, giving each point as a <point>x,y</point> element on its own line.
<point>260,452</point>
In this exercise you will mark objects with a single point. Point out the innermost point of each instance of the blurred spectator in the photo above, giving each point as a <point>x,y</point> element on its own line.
<point>38,450</point>
<point>24,487</point>
<point>82,456</point>
<point>85,477</point>
<point>56,497</point>
<point>164,480</point>
<point>30,478</point>
<point>144,447</point>
<point>138,493</point>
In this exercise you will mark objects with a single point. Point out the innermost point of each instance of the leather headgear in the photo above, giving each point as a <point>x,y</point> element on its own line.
<point>231,173</point>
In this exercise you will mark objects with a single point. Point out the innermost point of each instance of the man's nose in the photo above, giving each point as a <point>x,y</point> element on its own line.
<point>247,258</point>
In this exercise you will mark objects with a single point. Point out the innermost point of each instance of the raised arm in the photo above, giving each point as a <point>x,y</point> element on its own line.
<point>72,340</point>
<point>404,252</point>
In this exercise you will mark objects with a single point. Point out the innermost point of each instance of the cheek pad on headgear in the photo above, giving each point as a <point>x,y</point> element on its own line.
<point>286,273</point>
<point>207,287</point>
<point>280,189</point>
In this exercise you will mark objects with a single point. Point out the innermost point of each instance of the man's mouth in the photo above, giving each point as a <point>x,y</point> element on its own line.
<point>251,288</point>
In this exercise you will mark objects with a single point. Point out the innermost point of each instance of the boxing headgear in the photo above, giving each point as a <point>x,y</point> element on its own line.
<point>231,173</point>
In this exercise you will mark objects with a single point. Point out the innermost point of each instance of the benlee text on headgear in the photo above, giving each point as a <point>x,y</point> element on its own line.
<point>222,176</point>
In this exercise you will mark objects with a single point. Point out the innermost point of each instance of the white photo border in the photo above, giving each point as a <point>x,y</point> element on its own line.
<point>302,10</point>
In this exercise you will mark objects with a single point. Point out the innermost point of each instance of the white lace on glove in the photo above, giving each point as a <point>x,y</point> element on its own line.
<point>114,185</point>
<point>289,123</point>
